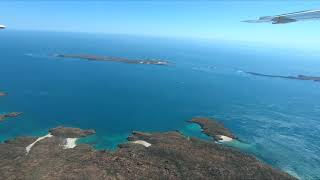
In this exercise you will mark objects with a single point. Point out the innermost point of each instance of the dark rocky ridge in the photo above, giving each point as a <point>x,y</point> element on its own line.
<point>9,115</point>
<point>213,128</point>
<point>171,156</point>
<point>299,77</point>
<point>115,59</point>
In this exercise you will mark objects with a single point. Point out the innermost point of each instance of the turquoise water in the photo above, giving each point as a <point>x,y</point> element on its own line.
<point>276,119</point>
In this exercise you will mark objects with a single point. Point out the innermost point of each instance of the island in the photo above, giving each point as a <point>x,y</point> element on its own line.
<point>157,155</point>
<point>214,129</point>
<point>9,115</point>
<point>70,132</point>
<point>114,59</point>
<point>299,77</point>
<point>3,94</point>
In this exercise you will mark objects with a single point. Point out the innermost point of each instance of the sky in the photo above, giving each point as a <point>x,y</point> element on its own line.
<point>183,19</point>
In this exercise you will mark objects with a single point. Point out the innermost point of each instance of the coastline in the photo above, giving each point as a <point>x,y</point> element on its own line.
<point>144,155</point>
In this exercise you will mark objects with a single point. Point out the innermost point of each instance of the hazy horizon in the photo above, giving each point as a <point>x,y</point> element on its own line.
<point>205,20</point>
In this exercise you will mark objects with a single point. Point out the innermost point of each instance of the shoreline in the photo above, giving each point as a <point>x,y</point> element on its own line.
<point>154,155</point>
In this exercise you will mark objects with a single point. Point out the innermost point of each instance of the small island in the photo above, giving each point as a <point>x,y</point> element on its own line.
<point>165,155</point>
<point>114,59</point>
<point>299,77</point>
<point>70,132</point>
<point>214,129</point>
<point>9,115</point>
<point>3,94</point>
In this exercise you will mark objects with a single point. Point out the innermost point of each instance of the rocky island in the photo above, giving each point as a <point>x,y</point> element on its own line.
<point>167,155</point>
<point>299,77</point>
<point>70,132</point>
<point>9,115</point>
<point>114,59</point>
<point>214,129</point>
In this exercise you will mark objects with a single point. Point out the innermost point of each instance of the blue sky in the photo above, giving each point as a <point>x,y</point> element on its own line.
<point>192,19</point>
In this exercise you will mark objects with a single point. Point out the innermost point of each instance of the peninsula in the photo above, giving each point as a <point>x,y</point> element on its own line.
<point>166,155</point>
<point>114,59</point>
<point>9,115</point>
<point>299,77</point>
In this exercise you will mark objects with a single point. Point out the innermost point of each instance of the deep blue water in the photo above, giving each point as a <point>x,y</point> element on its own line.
<point>276,119</point>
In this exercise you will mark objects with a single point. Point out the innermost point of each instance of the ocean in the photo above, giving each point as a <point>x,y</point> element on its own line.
<point>277,120</point>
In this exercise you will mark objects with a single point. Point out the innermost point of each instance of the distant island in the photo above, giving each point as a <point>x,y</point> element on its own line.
<point>299,77</point>
<point>9,115</point>
<point>165,155</point>
<point>3,94</point>
<point>114,59</point>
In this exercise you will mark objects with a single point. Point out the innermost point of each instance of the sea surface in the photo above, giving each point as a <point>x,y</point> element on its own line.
<point>277,120</point>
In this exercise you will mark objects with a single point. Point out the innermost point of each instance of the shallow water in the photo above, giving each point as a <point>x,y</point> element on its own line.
<point>276,119</point>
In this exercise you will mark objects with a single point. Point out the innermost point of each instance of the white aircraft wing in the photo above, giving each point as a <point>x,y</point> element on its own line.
<point>289,17</point>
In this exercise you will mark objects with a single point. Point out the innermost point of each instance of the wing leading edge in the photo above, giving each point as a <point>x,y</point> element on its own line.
<point>288,18</point>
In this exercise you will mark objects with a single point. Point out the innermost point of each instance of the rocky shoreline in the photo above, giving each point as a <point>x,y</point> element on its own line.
<point>167,155</point>
<point>115,59</point>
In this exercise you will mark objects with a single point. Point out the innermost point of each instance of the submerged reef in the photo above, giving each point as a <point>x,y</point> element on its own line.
<point>166,155</point>
<point>9,115</point>
<point>115,59</point>
<point>299,77</point>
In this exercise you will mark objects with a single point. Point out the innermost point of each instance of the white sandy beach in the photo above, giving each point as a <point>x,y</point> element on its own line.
<point>28,148</point>
<point>141,142</point>
<point>70,143</point>
<point>225,138</point>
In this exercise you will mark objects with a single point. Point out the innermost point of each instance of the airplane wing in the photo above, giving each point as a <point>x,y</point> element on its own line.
<point>289,17</point>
